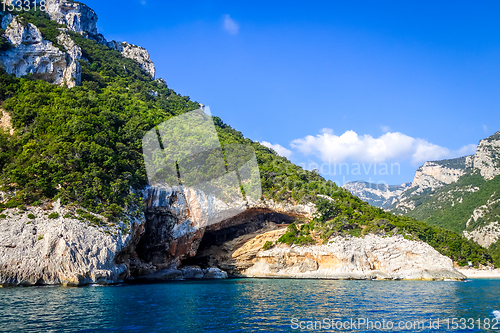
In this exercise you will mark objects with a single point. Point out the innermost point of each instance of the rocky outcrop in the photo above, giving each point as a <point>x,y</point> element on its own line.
<point>33,55</point>
<point>434,175</point>
<point>484,236</point>
<point>487,157</point>
<point>483,225</point>
<point>371,257</point>
<point>379,195</point>
<point>77,16</point>
<point>62,250</point>
<point>137,53</point>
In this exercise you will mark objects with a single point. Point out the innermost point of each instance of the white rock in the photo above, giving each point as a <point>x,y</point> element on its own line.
<point>136,53</point>
<point>356,258</point>
<point>76,16</point>
<point>34,55</point>
<point>57,251</point>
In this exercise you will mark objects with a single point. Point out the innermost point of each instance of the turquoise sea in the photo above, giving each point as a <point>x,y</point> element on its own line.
<point>251,305</point>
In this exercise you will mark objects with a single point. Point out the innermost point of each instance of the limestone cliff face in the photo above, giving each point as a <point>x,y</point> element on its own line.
<point>34,55</point>
<point>137,53</point>
<point>76,16</point>
<point>371,257</point>
<point>487,157</point>
<point>153,246</point>
<point>64,250</point>
<point>433,175</point>
<point>484,236</point>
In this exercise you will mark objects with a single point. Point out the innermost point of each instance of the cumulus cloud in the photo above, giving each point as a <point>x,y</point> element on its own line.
<point>365,148</point>
<point>230,25</point>
<point>282,151</point>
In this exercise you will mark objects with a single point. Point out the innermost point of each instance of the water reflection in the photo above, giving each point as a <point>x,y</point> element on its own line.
<point>248,305</point>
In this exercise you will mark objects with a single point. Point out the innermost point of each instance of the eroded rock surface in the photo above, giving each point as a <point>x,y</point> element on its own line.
<point>44,251</point>
<point>31,54</point>
<point>370,257</point>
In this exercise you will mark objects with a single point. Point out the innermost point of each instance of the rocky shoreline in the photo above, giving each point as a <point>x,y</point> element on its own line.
<point>370,257</point>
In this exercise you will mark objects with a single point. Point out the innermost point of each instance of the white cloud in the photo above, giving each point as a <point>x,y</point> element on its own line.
<point>230,25</point>
<point>282,151</point>
<point>143,2</point>
<point>485,129</point>
<point>365,148</point>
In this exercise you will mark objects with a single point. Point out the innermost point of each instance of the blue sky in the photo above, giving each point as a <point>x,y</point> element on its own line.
<point>330,82</point>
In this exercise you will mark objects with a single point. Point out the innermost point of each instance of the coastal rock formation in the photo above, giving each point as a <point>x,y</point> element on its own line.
<point>62,250</point>
<point>69,250</point>
<point>179,218</point>
<point>371,257</point>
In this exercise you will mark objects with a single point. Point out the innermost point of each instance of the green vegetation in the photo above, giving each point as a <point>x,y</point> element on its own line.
<point>88,139</point>
<point>3,216</point>
<point>31,216</point>
<point>452,206</point>
<point>296,236</point>
<point>267,245</point>
<point>40,237</point>
<point>5,45</point>
<point>53,215</point>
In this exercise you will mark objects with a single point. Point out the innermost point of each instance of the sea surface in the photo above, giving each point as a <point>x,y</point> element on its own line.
<point>255,305</point>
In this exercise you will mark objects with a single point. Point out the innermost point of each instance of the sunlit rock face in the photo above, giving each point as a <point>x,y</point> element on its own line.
<point>76,16</point>
<point>370,257</point>
<point>137,53</point>
<point>487,157</point>
<point>63,250</point>
<point>33,55</point>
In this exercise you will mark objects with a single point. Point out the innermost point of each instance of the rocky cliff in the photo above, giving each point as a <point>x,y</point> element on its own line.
<point>370,257</point>
<point>487,157</point>
<point>73,249</point>
<point>37,248</point>
<point>32,54</point>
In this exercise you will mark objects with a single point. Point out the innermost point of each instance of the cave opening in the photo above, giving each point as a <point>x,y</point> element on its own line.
<point>252,221</point>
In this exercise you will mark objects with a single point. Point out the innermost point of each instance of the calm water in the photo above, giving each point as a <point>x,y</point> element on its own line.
<point>247,305</point>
